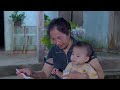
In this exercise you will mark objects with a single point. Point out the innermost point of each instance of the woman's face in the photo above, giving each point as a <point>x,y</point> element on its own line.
<point>60,39</point>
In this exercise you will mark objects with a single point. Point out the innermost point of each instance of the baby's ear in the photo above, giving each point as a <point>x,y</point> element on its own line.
<point>87,59</point>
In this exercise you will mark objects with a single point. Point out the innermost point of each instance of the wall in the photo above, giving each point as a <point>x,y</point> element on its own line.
<point>96,26</point>
<point>7,30</point>
<point>31,17</point>
<point>30,20</point>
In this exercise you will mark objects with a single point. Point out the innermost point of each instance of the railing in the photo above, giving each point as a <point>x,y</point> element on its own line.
<point>24,38</point>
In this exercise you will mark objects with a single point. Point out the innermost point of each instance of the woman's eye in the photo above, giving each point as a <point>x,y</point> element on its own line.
<point>78,56</point>
<point>59,37</point>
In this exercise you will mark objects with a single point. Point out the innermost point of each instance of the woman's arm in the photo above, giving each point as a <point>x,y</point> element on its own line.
<point>96,65</point>
<point>45,72</point>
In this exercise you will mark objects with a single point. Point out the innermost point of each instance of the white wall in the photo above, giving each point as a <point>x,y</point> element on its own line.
<point>31,17</point>
<point>7,30</point>
<point>30,20</point>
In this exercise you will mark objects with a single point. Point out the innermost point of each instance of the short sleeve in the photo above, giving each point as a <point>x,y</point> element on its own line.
<point>50,53</point>
<point>49,59</point>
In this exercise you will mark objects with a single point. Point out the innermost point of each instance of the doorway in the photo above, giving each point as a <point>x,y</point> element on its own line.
<point>2,43</point>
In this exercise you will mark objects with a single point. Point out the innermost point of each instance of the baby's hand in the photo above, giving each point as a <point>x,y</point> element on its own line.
<point>54,71</point>
<point>57,72</point>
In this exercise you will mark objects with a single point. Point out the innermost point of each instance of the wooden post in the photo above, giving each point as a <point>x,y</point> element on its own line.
<point>77,17</point>
<point>65,14</point>
<point>74,16</point>
<point>12,37</point>
<point>111,43</point>
<point>114,30</point>
<point>40,29</point>
<point>25,46</point>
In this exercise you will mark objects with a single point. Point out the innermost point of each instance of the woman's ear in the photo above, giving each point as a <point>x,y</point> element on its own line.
<point>69,35</point>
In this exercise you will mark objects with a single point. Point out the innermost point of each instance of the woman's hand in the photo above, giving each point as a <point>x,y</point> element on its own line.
<point>25,71</point>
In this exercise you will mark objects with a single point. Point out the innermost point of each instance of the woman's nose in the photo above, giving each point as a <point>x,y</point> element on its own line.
<point>57,43</point>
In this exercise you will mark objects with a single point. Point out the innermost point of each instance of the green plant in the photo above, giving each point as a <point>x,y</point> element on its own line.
<point>17,18</point>
<point>47,20</point>
<point>73,26</point>
<point>46,41</point>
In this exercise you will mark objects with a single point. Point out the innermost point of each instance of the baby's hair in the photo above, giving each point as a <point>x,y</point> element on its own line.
<point>86,46</point>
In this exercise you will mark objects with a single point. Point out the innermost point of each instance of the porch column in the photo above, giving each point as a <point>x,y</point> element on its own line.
<point>40,29</point>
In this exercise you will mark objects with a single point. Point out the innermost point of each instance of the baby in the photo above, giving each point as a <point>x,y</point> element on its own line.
<point>80,57</point>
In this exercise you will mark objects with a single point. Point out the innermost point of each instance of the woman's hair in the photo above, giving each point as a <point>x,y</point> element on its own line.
<point>61,24</point>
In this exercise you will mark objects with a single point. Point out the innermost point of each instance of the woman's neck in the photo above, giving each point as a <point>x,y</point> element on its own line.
<point>69,45</point>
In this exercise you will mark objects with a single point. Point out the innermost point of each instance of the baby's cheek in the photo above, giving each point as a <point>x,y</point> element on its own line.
<point>71,58</point>
<point>78,60</point>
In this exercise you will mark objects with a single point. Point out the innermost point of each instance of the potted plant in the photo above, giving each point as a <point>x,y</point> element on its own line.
<point>17,18</point>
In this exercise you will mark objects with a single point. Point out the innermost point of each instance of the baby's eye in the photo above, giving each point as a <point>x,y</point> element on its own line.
<point>78,56</point>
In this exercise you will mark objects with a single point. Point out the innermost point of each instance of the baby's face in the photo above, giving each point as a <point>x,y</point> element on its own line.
<point>79,56</point>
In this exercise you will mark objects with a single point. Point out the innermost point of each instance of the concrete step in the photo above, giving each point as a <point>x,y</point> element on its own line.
<point>9,72</point>
<point>107,76</point>
<point>8,63</point>
<point>111,69</point>
<point>10,77</point>
<point>10,69</point>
